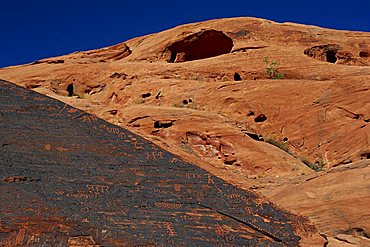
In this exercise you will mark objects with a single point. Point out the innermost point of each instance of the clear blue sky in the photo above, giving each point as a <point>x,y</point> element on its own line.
<point>35,29</point>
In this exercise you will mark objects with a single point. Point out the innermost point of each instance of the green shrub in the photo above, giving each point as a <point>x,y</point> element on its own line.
<point>277,143</point>
<point>272,69</point>
<point>80,95</point>
<point>317,166</point>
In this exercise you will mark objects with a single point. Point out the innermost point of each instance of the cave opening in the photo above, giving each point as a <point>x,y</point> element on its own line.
<point>331,56</point>
<point>201,45</point>
<point>70,90</point>
<point>237,77</point>
<point>160,124</point>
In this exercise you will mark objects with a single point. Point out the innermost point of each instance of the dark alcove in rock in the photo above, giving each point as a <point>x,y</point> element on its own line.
<point>327,53</point>
<point>70,90</point>
<point>331,56</point>
<point>204,44</point>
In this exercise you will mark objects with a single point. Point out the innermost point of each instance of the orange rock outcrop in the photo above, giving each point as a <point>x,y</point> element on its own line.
<point>179,89</point>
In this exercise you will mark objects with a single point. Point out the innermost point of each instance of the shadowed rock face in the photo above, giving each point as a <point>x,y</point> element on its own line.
<point>325,53</point>
<point>69,178</point>
<point>333,53</point>
<point>204,44</point>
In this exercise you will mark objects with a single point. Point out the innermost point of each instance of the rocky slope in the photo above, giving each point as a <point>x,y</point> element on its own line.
<point>202,92</point>
<point>69,178</point>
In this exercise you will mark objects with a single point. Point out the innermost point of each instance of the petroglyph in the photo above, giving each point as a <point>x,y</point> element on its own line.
<point>169,228</point>
<point>168,205</point>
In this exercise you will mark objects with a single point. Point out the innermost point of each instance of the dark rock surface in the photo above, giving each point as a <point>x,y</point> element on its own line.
<point>69,178</point>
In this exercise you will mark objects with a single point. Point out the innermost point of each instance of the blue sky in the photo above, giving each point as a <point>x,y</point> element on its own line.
<point>35,29</point>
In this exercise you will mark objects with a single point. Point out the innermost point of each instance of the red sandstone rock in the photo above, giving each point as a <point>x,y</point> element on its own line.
<point>321,108</point>
<point>335,201</point>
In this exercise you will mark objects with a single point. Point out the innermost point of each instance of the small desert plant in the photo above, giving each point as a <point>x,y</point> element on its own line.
<point>179,105</point>
<point>79,95</point>
<point>276,142</point>
<point>317,166</point>
<point>272,69</point>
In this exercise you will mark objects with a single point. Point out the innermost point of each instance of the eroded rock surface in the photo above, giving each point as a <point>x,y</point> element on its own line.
<point>329,205</point>
<point>249,130</point>
<point>90,183</point>
<point>333,53</point>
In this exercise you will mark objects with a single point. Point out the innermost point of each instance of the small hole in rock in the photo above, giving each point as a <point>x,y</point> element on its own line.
<point>70,90</point>
<point>285,139</point>
<point>260,118</point>
<point>113,112</point>
<point>254,136</point>
<point>250,113</point>
<point>190,100</point>
<point>159,124</point>
<point>365,155</point>
<point>237,77</point>
<point>364,54</point>
<point>331,56</point>
<point>185,102</point>
<point>146,95</point>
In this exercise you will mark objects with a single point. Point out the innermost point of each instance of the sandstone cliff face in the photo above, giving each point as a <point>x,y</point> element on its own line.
<point>179,89</point>
<point>342,193</point>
